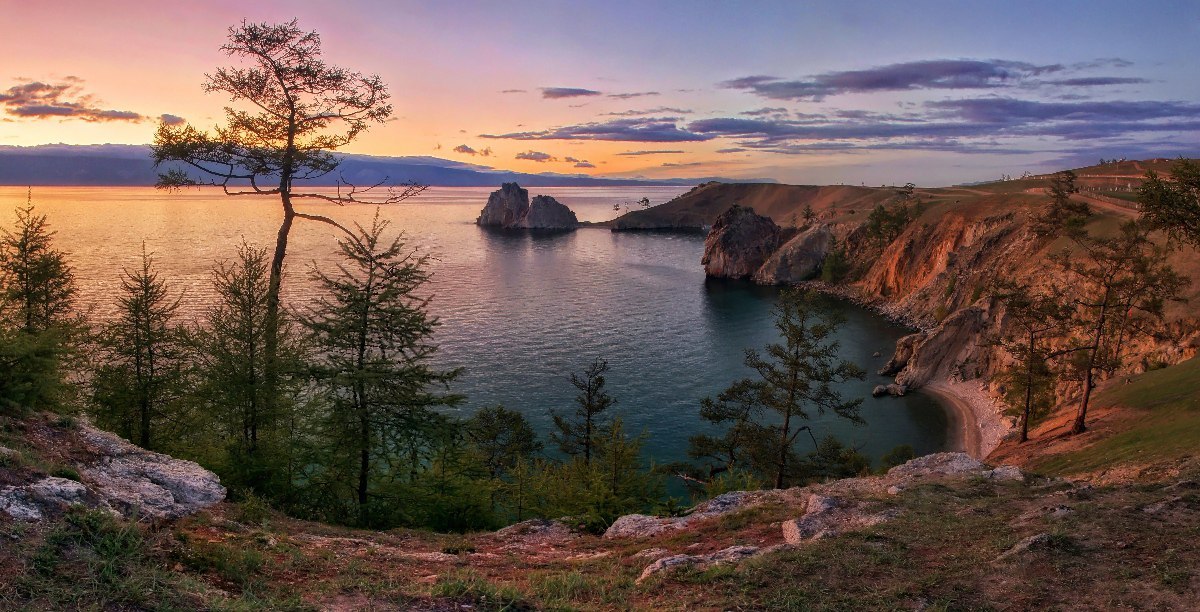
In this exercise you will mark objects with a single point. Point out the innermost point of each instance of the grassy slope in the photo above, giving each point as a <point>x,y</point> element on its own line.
<point>1161,421</point>
<point>1115,547</point>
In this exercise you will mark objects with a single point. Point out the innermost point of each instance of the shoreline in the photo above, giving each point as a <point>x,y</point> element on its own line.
<point>977,427</point>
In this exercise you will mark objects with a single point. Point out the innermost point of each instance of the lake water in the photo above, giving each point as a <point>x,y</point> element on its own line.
<point>519,311</point>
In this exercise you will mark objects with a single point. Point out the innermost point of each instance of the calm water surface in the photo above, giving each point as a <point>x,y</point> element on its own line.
<point>519,311</point>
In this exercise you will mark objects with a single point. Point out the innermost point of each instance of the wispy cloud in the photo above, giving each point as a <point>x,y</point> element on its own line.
<point>170,119</point>
<point>924,74</point>
<point>661,110</point>
<point>554,93</point>
<point>639,94</point>
<point>658,129</point>
<point>65,100</point>
<point>584,164</point>
<point>536,156</point>
<point>468,150</point>
<point>651,152</point>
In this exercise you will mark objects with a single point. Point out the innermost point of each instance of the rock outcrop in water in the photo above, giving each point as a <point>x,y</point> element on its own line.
<point>509,207</point>
<point>547,213</point>
<point>799,259</point>
<point>740,241</point>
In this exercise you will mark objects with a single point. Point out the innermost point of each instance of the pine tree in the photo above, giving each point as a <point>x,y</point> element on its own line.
<point>1063,214</point>
<point>1035,319</point>
<point>577,435</point>
<point>1122,285</point>
<point>137,390</point>
<point>795,380</point>
<point>1174,205</point>
<point>232,362</point>
<point>37,293</point>
<point>374,337</point>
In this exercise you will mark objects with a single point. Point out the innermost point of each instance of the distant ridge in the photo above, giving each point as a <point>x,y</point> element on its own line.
<point>129,165</point>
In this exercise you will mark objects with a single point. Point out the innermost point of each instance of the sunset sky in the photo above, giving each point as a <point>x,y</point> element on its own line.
<point>802,92</point>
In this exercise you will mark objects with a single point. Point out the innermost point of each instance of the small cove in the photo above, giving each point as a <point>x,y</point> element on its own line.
<point>519,311</point>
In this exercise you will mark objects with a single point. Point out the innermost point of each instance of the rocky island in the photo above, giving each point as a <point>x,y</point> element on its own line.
<point>510,208</point>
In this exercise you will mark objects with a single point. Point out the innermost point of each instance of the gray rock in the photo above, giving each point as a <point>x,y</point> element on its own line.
<point>732,554</point>
<point>547,213</point>
<point>799,259</point>
<point>48,496</point>
<point>738,243</point>
<point>1005,473</point>
<point>1034,542</point>
<point>139,482</point>
<point>891,389</point>
<point>509,207</point>
<point>938,464</point>
<point>826,517</point>
<point>19,504</point>
<point>505,207</point>
<point>640,526</point>
<point>536,531</point>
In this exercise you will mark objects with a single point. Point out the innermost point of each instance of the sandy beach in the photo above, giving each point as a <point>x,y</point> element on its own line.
<point>978,424</point>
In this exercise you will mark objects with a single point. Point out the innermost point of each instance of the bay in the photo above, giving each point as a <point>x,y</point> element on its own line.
<point>519,311</point>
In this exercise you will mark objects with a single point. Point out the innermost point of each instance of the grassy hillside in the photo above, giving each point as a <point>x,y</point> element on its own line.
<point>1155,418</point>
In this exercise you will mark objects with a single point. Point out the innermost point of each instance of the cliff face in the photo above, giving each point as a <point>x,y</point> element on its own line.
<point>739,243</point>
<point>547,213</point>
<point>509,207</point>
<point>935,273</point>
<point>799,259</point>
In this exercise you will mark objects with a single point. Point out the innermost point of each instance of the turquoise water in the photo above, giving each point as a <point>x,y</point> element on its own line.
<point>519,311</point>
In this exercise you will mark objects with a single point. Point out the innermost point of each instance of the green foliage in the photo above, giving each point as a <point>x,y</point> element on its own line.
<point>594,494</point>
<point>485,595</point>
<point>885,224</point>
<point>836,264</point>
<point>897,456</point>
<point>577,434</point>
<point>250,419</point>
<point>373,337</point>
<point>1063,215</point>
<point>794,380</point>
<point>1174,205</point>
<point>139,389</point>
<point>37,292</point>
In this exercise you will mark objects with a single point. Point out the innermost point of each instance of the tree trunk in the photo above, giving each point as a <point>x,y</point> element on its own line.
<point>1080,424</point>
<point>1028,389</point>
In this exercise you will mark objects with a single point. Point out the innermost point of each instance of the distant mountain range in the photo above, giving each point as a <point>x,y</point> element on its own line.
<point>129,165</point>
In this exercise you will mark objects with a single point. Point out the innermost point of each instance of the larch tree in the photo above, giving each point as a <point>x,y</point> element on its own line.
<point>37,293</point>
<point>1034,318</point>
<point>1123,284</point>
<point>294,110</point>
<point>1173,204</point>
<point>373,335</point>
<point>797,379</point>
<point>145,361</point>
<point>577,433</point>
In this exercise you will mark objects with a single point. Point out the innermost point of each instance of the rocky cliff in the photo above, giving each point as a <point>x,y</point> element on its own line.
<point>739,242</point>
<point>933,273</point>
<point>509,207</point>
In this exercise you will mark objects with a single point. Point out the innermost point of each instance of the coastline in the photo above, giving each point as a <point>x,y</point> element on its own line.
<point>978,426</point>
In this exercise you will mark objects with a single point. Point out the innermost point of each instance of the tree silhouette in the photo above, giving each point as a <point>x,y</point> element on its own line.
<point>295,110</point>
